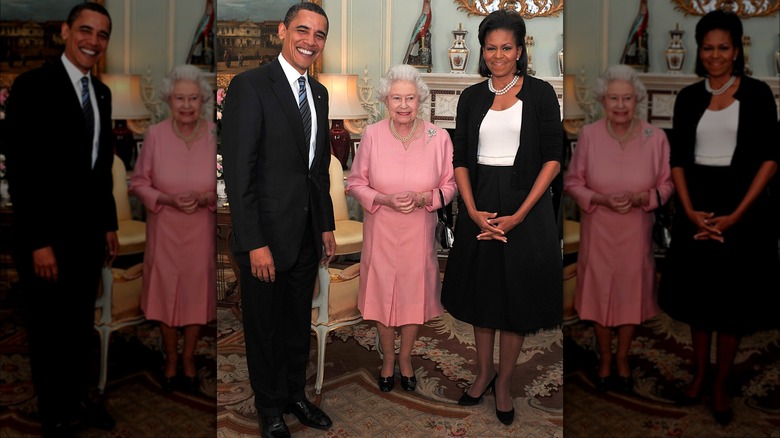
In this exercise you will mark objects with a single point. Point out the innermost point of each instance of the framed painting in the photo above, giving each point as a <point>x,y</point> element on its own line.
<point>247,35</point>
<point>32,36</point>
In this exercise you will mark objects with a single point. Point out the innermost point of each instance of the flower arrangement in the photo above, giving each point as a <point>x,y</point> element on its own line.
<point>221,93</point>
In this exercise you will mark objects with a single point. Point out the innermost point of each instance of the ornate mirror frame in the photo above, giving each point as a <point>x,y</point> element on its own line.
<point>526,8</point>
<point>743,8</point>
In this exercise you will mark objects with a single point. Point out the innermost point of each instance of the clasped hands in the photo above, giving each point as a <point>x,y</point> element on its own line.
<point>621,202</point>
<point>403,202</point>
<point>710,227</point>
<point>492,226</point>
<point>189,202</point>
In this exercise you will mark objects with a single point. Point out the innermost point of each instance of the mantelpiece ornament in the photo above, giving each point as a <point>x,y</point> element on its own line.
<point>526,8</point>
<point>743,8</point>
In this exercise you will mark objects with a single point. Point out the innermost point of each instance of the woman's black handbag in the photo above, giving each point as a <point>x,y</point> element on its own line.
<point>444,235</point>
<point>662,235</point>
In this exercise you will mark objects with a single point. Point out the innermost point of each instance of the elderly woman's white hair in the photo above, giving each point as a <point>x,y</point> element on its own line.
<point>402,72</point>
<point>619,72</point>
<point>189,72</point>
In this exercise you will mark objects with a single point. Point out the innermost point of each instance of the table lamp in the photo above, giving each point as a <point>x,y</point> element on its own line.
<point>126,106</point>
<point>344,105</point>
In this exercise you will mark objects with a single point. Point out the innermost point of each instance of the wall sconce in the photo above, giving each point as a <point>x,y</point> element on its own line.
<point>573,115</point>
<point>344,104</point>
<point>126,109</point>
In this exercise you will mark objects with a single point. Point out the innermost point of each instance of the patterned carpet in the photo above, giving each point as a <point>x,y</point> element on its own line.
<point>444,361</point>
<point>133,395</point>
<point>660,357</point>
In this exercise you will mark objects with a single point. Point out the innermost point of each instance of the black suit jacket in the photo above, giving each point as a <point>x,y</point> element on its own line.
<point>271,189</point>
<point>58,198</point>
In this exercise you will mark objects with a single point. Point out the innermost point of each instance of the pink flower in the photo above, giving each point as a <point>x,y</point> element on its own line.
<point>3,95</point>
<point>221,95</point>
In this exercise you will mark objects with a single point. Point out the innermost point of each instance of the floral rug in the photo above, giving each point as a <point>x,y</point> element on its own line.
<point>133,395</point>
<point>444,359</point>
<point>661,359</point>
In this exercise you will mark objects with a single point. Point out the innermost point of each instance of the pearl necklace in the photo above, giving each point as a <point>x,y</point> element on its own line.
<point>722,89</point>
<point>505,89</point>
<point>186,139</point>
<point>398,136</point>
<point>623,137</point>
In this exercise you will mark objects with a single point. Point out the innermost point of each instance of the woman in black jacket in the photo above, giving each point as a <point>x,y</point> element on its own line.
<point>717,272</point>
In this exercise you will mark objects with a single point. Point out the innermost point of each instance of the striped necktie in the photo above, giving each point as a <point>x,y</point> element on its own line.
<point>86,106</point>
<point>303,106</point>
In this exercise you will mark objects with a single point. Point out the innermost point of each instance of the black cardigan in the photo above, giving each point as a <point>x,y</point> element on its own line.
<point>756,135</point>
<point>541,137</point>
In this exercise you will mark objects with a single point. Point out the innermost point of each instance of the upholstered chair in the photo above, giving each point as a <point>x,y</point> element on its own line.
<point>348,233</point>
<point>334,305</point>
<point>118,305</point>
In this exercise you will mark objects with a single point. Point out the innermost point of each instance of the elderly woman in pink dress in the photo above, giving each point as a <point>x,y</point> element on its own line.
<point>398,171</point>
<point>175,178</point>
<point>619,165</point>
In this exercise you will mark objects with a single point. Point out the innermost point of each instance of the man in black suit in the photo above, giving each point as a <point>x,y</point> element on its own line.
<point>60,155</point>
<point>276,158</point>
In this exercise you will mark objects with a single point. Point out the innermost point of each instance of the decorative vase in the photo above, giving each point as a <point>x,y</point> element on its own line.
<point>675,54</point>
<point>339,141</point>
<point>560,63</point>
<point>458,54</point>
<point>221,193</point>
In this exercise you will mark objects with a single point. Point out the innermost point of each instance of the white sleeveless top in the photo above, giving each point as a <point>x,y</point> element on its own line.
<point>499,136</point>
<point>716,136</point>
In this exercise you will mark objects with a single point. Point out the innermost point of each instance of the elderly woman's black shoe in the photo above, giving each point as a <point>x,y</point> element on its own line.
<point>386,383</point>
<point>408,383</point>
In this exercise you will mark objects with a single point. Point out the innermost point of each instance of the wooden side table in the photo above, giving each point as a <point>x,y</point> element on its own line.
<point>228,286</point>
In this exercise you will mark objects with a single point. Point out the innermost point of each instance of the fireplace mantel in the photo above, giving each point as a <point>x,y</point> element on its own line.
<point>442,106</point>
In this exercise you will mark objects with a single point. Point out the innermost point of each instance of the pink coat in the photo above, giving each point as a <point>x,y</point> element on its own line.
<point>615,265</point>
<point>180,283</point>
<point>399,269</point>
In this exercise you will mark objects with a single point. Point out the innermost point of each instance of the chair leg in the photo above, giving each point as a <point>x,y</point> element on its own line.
<point>105,337</point>
<point>322,341</point>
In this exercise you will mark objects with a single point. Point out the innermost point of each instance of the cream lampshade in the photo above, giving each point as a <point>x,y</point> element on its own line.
<point>126,105</point>
<point>344,104</point>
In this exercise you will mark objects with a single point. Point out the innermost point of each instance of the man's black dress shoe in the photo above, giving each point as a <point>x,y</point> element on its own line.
<point>61,429</point>
<point>273,427</point>
<point>95,414</point>
<point>309,415</point>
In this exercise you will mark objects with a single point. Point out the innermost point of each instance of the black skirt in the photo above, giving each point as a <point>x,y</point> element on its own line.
<point>515,286</point>
<point>726,286</point>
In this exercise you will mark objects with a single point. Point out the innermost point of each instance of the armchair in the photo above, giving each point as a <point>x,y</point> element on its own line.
<point>334,305</point>
<point>118,305</point>
<point>348,233</point>
<point>119,300</point>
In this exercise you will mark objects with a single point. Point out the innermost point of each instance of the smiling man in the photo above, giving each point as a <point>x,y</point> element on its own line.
<point>59,144</point>
<point>276,158</point>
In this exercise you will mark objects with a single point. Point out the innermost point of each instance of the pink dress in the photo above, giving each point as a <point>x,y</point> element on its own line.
<point>399,270</point>
<point>615,265</point>
<point>180,286</point>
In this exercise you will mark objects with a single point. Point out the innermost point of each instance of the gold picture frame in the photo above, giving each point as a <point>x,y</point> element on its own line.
<point>227,70</point>
<point>743,8</point>
<point>526,8</point>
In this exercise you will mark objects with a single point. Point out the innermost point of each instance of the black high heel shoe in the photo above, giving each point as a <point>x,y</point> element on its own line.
<point>467,400</point>
<point>408,383</point>
<point>386,383</point>
<point>723,417</point>
<point>190,384</point>
<point>168,384</point>
<point>506,417</point>
<point>624,384</point>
